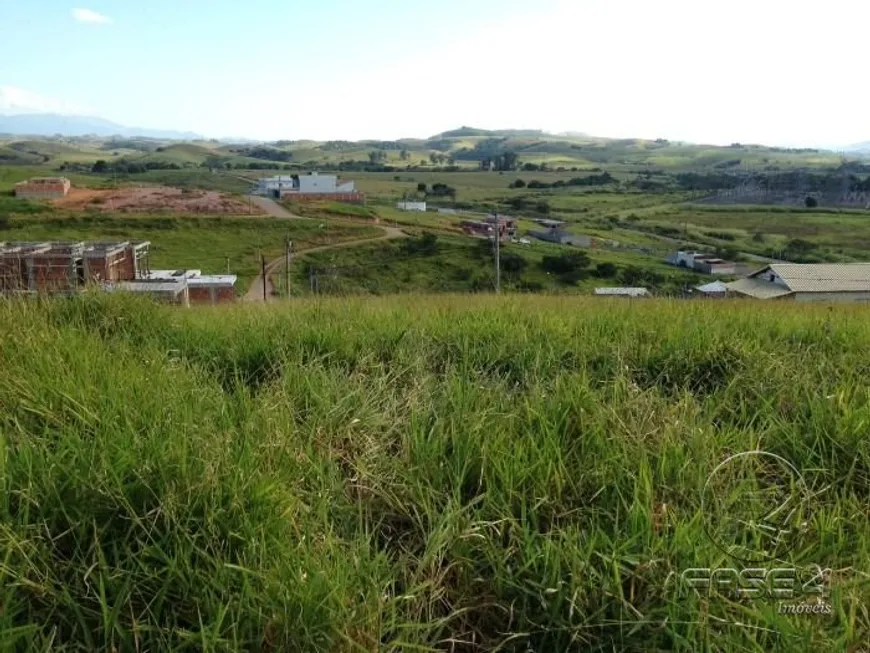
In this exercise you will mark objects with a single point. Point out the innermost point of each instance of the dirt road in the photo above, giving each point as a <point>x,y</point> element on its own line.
<point>271,207</point>
<point>255,292</point>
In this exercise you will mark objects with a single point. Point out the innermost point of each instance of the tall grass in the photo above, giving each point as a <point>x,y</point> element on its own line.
<point>414,473</point>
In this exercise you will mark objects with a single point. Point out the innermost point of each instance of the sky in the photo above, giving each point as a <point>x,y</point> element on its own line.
<point>778,72</point>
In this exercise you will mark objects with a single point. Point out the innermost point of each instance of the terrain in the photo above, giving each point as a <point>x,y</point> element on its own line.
<point>440,468</point>
<point>637,200</point>
<point>416,473</point>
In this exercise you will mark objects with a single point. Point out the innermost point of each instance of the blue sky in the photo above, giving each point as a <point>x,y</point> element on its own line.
<point>754,71</point>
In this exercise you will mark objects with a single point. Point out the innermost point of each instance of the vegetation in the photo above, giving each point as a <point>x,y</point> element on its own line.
<point>404,474</point>
<point>204,243</point>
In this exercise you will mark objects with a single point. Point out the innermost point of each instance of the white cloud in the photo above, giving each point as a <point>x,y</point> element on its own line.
<point>90,17</point>
<point>14,100</point>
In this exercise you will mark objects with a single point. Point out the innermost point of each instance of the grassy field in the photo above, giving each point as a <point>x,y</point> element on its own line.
<point>420,473</point>
<point>191,242</point>
<point>462,264</point>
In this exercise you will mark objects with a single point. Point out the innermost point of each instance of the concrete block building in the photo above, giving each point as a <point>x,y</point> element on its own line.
<point>67,268</point>
<point>43,188</point>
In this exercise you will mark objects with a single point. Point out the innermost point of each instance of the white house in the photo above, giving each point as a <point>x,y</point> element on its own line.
<point>411,206</point>
<point>313,183</point>
<point>807,282</point>
<point>706,263</point>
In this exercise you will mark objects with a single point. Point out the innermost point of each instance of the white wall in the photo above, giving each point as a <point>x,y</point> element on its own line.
<point>318,183</point>
<point>411,206</point>
<point>833,297</point>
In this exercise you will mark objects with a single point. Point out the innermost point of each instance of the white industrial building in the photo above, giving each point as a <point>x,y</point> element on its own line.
<point>304,184</point>
<point>807,282</point>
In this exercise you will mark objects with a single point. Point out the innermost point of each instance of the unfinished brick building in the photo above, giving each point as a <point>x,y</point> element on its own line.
<point>67,268</point>
<point>43,188</point>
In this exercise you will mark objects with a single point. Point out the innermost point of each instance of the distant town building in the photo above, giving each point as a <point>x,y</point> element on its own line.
<point>309,187</point>
<point>43,188</point>
<point>807,282</point>
<point>68,267</point>
<point>411,206</point>
<point>706,263</point>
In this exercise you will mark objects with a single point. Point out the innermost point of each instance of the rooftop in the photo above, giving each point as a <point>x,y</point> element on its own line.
<point>758,288</point>
<point>822,277</point>
<point>623,292</point>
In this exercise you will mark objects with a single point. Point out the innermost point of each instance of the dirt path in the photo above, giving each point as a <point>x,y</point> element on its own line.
<point>271,207</point>
<point>255,292</point>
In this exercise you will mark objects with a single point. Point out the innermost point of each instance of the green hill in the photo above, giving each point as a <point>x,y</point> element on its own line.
<point>514,473</point>
<point>11,156</point>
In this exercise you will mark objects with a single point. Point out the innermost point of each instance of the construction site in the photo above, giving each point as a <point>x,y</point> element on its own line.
<point>67,268</point>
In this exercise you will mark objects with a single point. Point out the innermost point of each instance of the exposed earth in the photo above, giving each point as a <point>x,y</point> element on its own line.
<point>155,199</point>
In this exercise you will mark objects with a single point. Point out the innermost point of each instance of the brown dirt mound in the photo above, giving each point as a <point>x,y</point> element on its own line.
<point>157,199</point>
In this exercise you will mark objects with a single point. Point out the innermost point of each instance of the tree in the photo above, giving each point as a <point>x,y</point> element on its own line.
<point>542,207</point>
<point>570,268</point>
<point>811,202</point>
<point>513,264</point>
<point>518,183</point>
<point>404,155</point>
<point>377,156</point>
<point>507,161</point>
<point>422,187</point>
<point>605,270</point>
<point>100,166</point>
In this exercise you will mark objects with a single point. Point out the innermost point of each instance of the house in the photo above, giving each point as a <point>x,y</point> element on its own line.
<point>550,224</point>
<point>309,187</point>
<point>65,267</point>
<point>411,206</point>
<point>715,289</point>
<point>199,288</point>
<point>562,237</point>
<point>506,224</point>
<point>507,227</point>
<point>622,292</point>
<point>706,263</point>
<point>807,282</point>
<point>68,267</point>
<point>43,188</point>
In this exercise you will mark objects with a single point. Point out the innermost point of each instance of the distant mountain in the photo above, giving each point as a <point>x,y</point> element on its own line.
<point>858,147</point>
<point>464,131</point>
<point>49,124</point>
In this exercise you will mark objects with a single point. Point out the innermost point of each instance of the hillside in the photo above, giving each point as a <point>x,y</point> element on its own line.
<point>511,473</point>
<point>462,148</point>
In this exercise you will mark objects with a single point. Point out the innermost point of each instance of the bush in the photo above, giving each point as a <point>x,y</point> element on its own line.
<point>606,270</point>
<point>569,268</point>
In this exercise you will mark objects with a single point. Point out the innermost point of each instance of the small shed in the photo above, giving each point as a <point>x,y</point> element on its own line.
<point>622,292</point>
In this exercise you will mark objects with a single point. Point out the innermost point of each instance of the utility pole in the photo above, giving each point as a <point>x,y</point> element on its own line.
<point>497,254</point>
<point>228,264</point>
<point>263,265</point>
<point>287,267</point>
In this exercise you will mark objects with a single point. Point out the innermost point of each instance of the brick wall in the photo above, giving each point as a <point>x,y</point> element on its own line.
<point>351,198</point>
<point>52,273</point>
<point>212,294</point>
